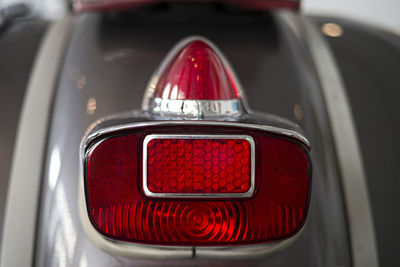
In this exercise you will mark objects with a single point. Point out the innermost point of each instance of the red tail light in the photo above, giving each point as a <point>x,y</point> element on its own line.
<point>196,73</point>
<point>119,207</point>
<point>167,176</point>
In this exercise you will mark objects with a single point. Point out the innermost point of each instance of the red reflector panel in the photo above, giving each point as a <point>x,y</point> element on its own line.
<point>119,209</point>
<point>205,165</point>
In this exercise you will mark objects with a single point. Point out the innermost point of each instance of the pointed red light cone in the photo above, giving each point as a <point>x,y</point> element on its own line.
<point>196,73</point>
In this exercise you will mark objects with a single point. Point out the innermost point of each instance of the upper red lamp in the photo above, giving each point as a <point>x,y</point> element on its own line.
<point>196,73</point>
<point>194,80</point>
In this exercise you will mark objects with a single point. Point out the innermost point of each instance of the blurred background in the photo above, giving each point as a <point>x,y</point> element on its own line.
<point>381,13</point>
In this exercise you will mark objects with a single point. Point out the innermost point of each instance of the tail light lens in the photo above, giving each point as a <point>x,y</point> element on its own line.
<point>197,73</point>
<point>197,184</point>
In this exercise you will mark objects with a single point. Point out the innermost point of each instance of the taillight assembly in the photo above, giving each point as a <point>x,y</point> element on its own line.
<point>194,168</point>
<point>144,186</point>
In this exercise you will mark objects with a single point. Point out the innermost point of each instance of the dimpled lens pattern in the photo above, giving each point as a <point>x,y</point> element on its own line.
<point>198,165</point>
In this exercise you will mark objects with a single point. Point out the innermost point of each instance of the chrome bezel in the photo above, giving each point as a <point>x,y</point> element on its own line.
<point>196,108</point>
<point>93,133</point>
<point>246,194</point>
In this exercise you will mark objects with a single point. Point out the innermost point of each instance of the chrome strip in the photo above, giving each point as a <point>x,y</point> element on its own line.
<point>196,108</point>
<point>355,188</point>
<point>280,131</point>
<point>18,242</point>
<point>150,137</point>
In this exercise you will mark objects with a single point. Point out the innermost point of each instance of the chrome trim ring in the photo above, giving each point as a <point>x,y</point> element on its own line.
<point>150,137</point>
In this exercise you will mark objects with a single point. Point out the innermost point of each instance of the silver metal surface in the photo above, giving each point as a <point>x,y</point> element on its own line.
<point>248,193</point>
<point>23,194</point>
<point>193,108</point>
<point>95,130</point>
<point>355,189</point>
<point>196,108</point>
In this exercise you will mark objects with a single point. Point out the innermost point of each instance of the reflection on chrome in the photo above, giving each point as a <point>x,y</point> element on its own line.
<point>166,90</point>
<point>174,93</point>
<point>196,108</point>
<point>54,169</point>
<point>91,106</point>
<point>60,257</point>
<point>61,224</point>
<point>83,261</point>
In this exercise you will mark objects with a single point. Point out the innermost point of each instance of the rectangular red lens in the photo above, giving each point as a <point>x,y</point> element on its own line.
<point>190,166</point>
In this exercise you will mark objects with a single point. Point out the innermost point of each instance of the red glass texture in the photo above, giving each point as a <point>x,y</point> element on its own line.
<point>119,209</point>
<point>198,166</point>
<point>196,73</point>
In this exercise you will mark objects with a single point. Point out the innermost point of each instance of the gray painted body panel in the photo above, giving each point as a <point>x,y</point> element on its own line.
<point>18,45</point>
<point>369,61</point>
<point>111,59</point>
<point>355,189</point>
<point>20,219</point>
